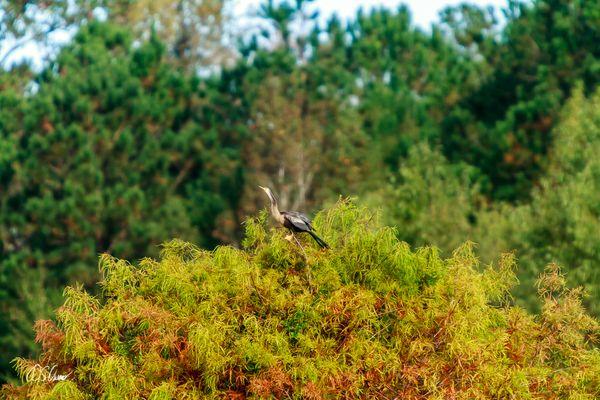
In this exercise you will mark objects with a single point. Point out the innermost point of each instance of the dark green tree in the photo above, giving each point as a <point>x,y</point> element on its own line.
<point>562,221</point>
<point>504,126</point>
<point>405,79</point>
<point>112,152</point>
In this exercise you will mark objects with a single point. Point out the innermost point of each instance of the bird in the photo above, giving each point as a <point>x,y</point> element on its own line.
<point>293,220</point>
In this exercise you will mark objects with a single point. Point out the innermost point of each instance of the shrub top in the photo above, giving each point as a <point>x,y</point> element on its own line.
<point>368,318</point>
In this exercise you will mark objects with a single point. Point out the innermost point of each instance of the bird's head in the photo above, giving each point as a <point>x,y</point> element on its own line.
<point>269,193</point>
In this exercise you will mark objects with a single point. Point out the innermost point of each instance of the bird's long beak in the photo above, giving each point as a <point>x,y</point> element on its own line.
<point>263,188</point>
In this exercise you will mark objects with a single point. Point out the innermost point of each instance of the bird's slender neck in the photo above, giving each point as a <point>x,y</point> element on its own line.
<point>275,209</point>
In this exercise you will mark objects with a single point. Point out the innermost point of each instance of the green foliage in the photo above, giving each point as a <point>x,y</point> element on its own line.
<point>193,31</point>
<point>120,144</point>
<point>562,222</point>
<point>110,153</point>
<point>503,126</point>
<point>434,202</point>
<point>406,80</point>
<point>368,318</point>
<point>431,201</point>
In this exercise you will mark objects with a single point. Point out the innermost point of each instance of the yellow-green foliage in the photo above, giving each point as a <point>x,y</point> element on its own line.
<point>368,318</point>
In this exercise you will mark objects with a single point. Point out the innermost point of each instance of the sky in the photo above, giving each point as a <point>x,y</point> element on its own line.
<point>424,12</point>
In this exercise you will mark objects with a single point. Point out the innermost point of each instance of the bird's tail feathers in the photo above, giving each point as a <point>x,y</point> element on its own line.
<point>319,241</point>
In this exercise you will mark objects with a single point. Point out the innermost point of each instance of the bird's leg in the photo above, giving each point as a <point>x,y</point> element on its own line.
<point>297,241</point>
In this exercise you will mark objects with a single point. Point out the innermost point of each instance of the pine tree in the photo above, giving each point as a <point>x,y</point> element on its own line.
<point>112,154</point>
<point>504,125</point>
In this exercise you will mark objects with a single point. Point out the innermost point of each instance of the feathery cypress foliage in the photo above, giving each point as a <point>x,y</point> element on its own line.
<point>369,318</point>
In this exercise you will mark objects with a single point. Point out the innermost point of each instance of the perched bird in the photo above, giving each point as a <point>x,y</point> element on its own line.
<point>293,220</point>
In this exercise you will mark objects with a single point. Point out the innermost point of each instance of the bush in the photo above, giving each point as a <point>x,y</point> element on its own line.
<point>368,318</point>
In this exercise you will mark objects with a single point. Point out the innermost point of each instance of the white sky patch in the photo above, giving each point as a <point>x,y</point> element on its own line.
<point>424,12</point>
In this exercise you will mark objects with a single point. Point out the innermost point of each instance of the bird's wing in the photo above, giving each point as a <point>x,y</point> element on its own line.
<point>299,220</point>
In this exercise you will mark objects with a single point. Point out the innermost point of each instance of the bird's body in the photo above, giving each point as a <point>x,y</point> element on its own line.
<point>296,221</point>
<point>293,220</point>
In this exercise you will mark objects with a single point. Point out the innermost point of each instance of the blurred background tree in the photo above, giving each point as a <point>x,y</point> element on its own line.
<point>114,152</point>
<point>562,221</point>
<point>431,200</point>
<point>194,32</point>
<point>504,126</point>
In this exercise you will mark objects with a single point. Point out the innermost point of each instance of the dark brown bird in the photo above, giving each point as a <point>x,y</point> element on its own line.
<point>293,220</point>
